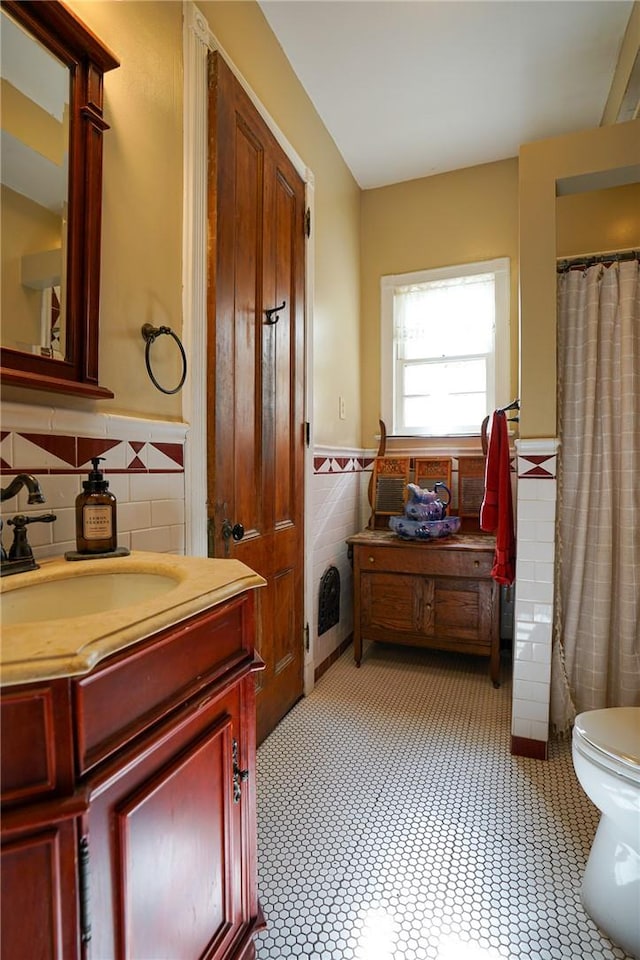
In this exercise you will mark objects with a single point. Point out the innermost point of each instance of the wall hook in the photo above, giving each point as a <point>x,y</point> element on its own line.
<point>151,333</point>
<point>272,314</point>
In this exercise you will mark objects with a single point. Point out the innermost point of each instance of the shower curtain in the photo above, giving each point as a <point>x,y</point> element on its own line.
<point>596,647</point>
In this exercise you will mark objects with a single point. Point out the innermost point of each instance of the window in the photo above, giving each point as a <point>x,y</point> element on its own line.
<point>445,348</point>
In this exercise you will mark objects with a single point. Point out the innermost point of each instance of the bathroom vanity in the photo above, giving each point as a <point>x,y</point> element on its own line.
<point>436,594</point>
<point>128,787</point>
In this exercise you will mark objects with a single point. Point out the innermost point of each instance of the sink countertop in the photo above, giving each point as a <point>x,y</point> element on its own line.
<point>72,646</point>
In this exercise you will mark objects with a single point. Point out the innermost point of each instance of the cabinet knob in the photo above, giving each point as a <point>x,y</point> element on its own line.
<point>372,559</point>
<point>476,563</point>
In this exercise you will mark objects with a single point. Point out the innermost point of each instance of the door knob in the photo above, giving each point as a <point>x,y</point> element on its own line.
<point>228,531</point>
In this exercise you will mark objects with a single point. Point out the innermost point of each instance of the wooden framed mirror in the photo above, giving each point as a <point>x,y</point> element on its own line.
<point>52,71</point>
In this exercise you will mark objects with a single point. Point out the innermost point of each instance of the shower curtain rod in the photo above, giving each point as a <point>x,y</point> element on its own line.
<point>613,256</point>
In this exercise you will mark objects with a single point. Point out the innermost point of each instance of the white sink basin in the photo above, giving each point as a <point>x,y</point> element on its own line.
<point>79,596</point>
<point>66,617</point>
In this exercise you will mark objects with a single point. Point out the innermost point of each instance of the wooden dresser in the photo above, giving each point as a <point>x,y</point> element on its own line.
<point>436,594</point>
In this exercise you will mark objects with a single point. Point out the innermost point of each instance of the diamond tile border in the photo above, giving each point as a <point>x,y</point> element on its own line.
<point>537,459</point>
<point>349,463</point>
<point>49,453</point>
<point>144,463</point>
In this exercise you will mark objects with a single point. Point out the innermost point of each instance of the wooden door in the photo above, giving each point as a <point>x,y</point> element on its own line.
<point>256,377</point>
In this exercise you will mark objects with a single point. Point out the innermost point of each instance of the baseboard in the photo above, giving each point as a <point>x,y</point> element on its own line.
<point>526,747</point>
<point>331,659</point>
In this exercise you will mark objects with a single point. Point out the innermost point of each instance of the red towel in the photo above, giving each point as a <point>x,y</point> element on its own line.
<point>496,512</point>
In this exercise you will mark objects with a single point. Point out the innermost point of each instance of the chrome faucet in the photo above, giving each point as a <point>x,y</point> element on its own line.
<point>23,480</point>
<point>20,556</point>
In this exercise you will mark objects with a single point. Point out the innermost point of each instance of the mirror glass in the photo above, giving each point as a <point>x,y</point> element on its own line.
<point>52,69</point>
<point>34,174</point>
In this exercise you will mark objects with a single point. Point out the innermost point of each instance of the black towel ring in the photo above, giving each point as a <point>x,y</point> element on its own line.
<point>149,333</point>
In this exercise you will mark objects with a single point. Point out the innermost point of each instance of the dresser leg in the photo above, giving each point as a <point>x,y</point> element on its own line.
<point>494,668</point>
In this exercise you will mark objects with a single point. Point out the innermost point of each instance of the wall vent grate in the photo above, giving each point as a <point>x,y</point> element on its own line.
<point>329,600</point>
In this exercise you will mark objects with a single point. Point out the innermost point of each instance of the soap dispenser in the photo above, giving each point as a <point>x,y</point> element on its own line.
<point>96,526</point>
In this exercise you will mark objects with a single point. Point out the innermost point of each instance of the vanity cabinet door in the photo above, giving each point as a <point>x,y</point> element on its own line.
<point>168,831</point>
<point>39,914</point>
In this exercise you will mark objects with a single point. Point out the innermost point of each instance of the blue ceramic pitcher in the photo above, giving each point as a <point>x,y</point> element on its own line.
<point>426,504</point>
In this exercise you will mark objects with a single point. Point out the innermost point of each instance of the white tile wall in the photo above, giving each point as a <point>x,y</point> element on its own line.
<point>340,508</point>
<point>142,525</point>
<point>533,618</point>
<point>150,510</point>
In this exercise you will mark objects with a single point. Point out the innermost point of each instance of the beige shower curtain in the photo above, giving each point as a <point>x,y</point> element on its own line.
<point>596,649</point>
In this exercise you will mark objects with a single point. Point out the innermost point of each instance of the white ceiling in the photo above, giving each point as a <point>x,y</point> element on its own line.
<point>411,88</point>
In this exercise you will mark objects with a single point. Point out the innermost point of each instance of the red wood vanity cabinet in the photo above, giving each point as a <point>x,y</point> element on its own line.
<point>128,801</point>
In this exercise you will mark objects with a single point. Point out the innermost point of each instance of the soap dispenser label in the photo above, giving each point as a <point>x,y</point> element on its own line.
<point>96,522</point>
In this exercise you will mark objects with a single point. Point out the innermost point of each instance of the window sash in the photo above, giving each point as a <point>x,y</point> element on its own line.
<point>446,306</point>
<point>400,351</point>
<point>444,402</point>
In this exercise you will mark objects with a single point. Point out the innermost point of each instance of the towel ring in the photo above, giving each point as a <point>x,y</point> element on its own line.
<point>149,334</point>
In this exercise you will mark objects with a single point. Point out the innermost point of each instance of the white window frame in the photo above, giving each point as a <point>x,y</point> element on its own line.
<point>499,384</point>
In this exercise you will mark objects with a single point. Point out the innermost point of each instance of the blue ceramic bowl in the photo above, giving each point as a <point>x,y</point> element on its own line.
<point>424,529</point>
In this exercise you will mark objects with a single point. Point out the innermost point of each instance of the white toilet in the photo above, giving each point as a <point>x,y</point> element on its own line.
<point>606,758</point>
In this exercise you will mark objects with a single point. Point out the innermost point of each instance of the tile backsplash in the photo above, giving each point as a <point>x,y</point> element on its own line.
<point>143,462</point>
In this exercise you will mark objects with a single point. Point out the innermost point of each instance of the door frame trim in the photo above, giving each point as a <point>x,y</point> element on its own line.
<point>198,40</point>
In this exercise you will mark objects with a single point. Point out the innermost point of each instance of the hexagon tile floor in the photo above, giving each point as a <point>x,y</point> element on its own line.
<point>395,825</point>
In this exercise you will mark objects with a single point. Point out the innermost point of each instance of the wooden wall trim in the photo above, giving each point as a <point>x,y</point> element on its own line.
<point>526,747</point>
<point>331,659</point>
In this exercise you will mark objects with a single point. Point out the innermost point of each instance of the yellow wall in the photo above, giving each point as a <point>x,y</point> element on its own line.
<point>26,228</point>
<point>247,39</point>
<point>29,123</point>
<point>142,198</point>
<point>142,207</point>
<point>598,222</point>
<point>452,218</point>
<point>542,164</point>
<point>456,217</point>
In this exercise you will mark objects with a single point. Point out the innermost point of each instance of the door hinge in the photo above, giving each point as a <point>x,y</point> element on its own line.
<point>307,223</point>
<point>307,433</point>
<point>307,643</point>
<point>239,776</point>
<point>83,870</point>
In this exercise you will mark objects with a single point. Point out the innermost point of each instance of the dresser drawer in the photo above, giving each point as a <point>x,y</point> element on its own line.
<point>135,689</point>
<point>426,559</point>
